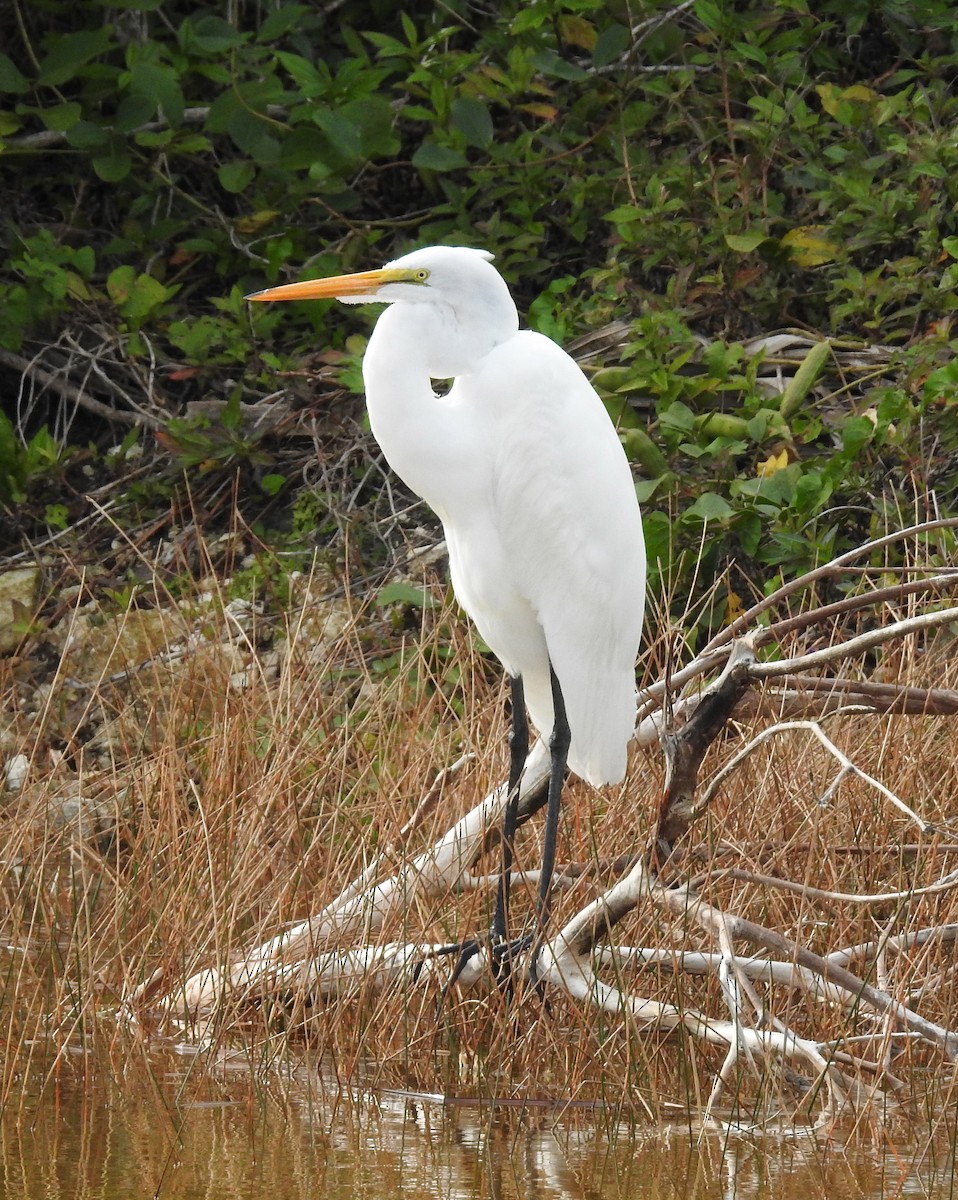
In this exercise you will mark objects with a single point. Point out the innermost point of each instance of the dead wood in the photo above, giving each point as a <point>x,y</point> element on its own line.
<point>685,750</point>
<point>342,947</point>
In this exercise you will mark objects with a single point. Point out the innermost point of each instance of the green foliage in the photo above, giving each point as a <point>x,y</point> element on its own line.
<point>726,154</point>
<point>752,489</point>
<point>198,444</point>
<point>25,465</point>
<point>706,174</point>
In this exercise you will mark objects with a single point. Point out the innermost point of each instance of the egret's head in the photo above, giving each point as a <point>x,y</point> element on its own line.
<point>448,300</point>
<point>457,276</point>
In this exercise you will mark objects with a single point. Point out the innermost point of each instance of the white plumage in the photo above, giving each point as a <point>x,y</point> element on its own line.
<point>524,468</point>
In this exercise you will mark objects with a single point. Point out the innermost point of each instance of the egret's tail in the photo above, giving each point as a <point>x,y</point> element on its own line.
<point>601,712</point>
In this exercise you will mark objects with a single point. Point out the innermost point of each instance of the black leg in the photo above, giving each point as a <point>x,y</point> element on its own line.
<point>518,752</point>
<point>504,951</point>
<point>559,754</point>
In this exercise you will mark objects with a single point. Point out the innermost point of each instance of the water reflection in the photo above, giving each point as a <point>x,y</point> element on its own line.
<point>87,1127</point>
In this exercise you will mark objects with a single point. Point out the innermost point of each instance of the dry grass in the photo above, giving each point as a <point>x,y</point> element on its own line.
<point>175,815</point>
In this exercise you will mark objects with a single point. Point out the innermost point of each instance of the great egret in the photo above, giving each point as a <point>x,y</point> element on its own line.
<point>523,466</point>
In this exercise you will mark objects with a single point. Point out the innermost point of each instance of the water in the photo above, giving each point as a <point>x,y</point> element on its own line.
<point>171,1125</point>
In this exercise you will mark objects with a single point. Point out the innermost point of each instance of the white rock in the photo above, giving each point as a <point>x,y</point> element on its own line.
<point>19,592</point>
<point>15,772</point>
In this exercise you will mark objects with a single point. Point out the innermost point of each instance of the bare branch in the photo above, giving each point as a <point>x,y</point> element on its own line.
<point>30,369</point>
<point>682,902</point>
<point>827,570</point>
<point>855,646</point>
<point>846,764</point>
<point>806,890</point>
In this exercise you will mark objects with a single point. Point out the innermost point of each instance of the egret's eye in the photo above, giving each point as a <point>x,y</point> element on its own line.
<point>421,275</point>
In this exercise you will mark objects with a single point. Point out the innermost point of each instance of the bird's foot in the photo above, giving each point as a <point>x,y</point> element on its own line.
<point>504,957</point>
<point>467,952</point>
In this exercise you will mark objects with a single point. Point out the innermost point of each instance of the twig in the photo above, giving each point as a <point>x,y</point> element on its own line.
<point>847,768</point>
<point>63,387</point>
<point>815,695</point>
<point>806,890</point>
<point>833,567</point>
<point>685,750</point>
<point>683,903</point>
<point>855,646</point>
<point>944,581</point>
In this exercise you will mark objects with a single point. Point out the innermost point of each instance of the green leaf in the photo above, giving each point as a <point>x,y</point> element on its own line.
<point>236,176</point>
<point>70,52</point>
<point>611,44</point>
<point>710,507</point>
<point>305,146</point>
<point>625,214</point>
<point>61,116</point>
<point>281,21</point>
<point>778,488</point>
<point>85,135</point>
<point>85,260</point>
<point>433,157</point>
<point>549,63</point>
<point>136,296</point>
<point>808,246</point>
<point>341,131</point>
<point>677,416</point>
<point>254,136</point>
<point>272,485</point>
<point>409,29</point>
<point>375,119</point>
<point>119,283</point>
<point>162,84</point>
<point>302,72</point>
<point>529,17</point>
<point>388,45</point>
<point>709,13</point>
<point>404,593</point>
<point>114,166</point>
<point>222,111</point>
<point>471,118</point>
<point>748,528</point>
<point>942,382</point>
<point>856,433</point>
<point>56,516</point>
<point>658,528</point>
<point>645,489</point>
<point>754,53</point>
<point>133,111</point>
<point>11,80</point>
<point>213,34</point>
<point>812,491</point>
<point>745,243</point>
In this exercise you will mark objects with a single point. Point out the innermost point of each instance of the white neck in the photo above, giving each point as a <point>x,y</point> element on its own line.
<point>434,444</point>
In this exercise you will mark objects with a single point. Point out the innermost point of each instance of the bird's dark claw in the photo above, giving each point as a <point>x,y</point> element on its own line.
<point>504,955</point>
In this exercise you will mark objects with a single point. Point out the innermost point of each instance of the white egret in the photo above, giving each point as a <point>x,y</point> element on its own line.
<point>524,468</point>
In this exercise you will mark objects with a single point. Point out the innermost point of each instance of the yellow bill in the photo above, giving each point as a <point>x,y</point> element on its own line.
<point>339,287</point>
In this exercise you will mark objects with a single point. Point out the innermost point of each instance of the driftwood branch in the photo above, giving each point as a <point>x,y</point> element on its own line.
<point>685,750</point>
<point>80,397</point>
<point>343,946</point>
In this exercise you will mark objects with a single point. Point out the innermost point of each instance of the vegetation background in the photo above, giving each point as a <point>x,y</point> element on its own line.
<point>676,180</point>
<point>741,217</point>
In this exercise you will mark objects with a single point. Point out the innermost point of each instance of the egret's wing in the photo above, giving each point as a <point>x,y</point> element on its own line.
<point>568,520</point>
